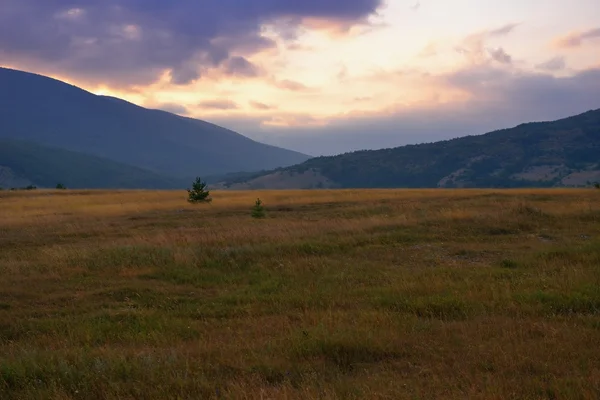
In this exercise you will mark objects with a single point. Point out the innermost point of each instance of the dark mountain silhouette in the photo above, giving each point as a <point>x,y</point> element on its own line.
<point>52,113</point>
<point>542,154</point>
<point>25,163</point>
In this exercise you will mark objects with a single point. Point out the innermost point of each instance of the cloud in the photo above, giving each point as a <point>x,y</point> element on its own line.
<point>291,120</point>
<point>294,46</point>
<point>239,66</point>
<point>496,98</point>
<point>503,30</point>
<point>430,50</point>
<point>288,84</point>
<point>173,108</point>
<point>500,55</point>
<point>554,64</point>
<point>135,41</point>
<point>524,90</point>
<point>260,106</point>
<point>576,39</point>
<point>474,49</point>
<point>218,105</point>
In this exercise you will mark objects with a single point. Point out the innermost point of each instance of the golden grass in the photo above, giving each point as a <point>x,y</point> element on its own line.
<point>403,294</point>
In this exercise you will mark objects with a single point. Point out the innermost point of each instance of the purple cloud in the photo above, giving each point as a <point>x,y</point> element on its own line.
<point>239,66</point>
<point>133,41</point>
<point>554,64</point>
<point>500,55</point>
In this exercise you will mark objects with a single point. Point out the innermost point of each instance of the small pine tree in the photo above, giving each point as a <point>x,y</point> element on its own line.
<point>60,186</point>
<point>198,192</point>
<point>258,211</point>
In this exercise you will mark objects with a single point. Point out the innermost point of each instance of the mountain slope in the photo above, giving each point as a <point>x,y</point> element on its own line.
<point>23,163</point>
<point>53,113</point>
<point>545,154</point>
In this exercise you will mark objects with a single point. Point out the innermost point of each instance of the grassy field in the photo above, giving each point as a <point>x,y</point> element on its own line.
<point>398,294</point>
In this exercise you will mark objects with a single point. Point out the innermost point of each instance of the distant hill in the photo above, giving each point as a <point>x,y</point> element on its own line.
<point>50,112</point>
<point>541,154</point>
<point>23,163</point>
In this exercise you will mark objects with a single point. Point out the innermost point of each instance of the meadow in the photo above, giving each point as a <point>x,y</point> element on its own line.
<point>350,294</point>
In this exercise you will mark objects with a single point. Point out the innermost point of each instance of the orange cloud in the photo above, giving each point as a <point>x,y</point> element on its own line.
<point>339,27</point>
<point>294,120</point>
<point>218,105</point>
<point>430,50</point>
<point>576,39</point>
<point>260,106</point>
<point>288,84</point>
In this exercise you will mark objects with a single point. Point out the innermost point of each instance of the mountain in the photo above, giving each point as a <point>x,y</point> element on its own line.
<point>50,112</point>
<point>542,154</point>
<point>25,163</point>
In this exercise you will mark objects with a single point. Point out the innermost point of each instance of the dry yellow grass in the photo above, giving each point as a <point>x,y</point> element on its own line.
<point>389,294</point>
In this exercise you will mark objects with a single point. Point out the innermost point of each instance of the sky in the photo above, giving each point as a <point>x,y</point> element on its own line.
<point>322,76</point>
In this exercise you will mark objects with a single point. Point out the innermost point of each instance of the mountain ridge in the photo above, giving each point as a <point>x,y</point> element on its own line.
<point>53,113</point>
<point>25,163</point>
<point>564,152</point>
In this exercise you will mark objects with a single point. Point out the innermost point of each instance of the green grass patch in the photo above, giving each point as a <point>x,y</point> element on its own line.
<point>584,301</point>
<point>442,307</point>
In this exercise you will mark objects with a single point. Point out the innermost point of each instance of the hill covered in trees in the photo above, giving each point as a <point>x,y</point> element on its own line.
<point>541,154</point>
<point>24,163</point>
<point>53,113</point>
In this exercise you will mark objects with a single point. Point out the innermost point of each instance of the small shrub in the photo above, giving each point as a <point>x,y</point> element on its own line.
<point>30,187</point>
<point>510,264</point>
<point>258,211</point>
<point>198,193</point>
<point>60,186</point>
<point>597,185</point>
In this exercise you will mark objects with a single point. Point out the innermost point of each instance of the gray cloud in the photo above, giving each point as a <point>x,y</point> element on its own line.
<point>473,46</point>
<point>554,64</point>
<point>133,41</point>
<point>500,56</point>
<point>504,30</point>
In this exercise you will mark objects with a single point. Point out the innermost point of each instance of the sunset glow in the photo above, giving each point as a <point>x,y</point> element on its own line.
<point>308,69</point>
